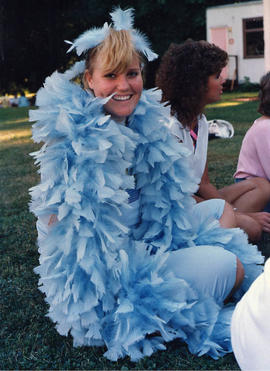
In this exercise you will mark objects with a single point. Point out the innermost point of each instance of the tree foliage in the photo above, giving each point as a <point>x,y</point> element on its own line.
<point>32,32</point>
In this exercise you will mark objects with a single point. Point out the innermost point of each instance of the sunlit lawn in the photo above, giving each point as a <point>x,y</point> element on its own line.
<point>28,339</point>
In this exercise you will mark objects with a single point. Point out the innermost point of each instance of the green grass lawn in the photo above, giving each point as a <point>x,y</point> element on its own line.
<point>28,339</point>
<point>223,153</point>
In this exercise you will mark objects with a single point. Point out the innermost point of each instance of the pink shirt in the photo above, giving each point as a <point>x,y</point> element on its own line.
<point>254,157</point>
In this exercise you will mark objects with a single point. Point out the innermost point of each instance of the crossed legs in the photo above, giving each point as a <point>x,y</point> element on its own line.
<point>250,195</point>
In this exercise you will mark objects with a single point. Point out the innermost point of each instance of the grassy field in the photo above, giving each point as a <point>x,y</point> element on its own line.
<point>223,153</point>
<point>28,339</point>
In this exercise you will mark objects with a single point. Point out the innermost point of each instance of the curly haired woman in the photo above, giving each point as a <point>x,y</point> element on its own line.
<point>190,78</point>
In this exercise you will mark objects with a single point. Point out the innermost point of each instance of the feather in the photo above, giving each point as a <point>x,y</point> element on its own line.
<point>89,39</point>
<point>81,248</point>
<point>141,43</point>
<point>106,282</point>
<point>125,306</point>
<point>122,19</point>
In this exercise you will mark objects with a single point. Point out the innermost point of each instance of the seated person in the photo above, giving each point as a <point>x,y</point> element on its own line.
<point>13,102</point>
<point>23,101</point>
<point>253,162</point>
<point>190,78</point>
<point>127,260</point>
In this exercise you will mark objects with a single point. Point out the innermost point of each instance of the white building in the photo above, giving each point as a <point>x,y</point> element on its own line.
<point>240,29</point>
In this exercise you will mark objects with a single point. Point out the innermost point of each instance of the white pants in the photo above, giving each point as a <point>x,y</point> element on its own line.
<point>250,328</point>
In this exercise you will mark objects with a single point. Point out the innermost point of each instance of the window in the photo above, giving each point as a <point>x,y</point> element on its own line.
<point>253,37</point>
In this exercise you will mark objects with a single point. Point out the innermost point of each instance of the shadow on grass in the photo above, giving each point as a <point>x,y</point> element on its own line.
<point>13,125</point>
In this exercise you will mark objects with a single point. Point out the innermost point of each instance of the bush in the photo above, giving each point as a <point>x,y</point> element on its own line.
<point>247,85</point>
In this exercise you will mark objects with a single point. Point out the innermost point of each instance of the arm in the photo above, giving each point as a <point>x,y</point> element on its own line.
<point>197,198</point>
<point>262,144</point>
<point>207,190</point>
<point>229,193</point>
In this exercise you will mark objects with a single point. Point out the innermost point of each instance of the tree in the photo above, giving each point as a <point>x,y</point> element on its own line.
<point>32,33</point>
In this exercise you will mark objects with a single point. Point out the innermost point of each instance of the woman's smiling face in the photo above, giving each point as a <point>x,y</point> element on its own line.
<point>126,87</point>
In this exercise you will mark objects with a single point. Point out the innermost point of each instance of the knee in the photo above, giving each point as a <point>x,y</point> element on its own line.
<point>240,275</point>
<point>252,228</point>
<point>263,184</point>
<point>255,233</point>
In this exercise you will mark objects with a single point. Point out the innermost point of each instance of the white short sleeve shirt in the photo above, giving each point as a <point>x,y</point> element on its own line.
<point>198,155</point>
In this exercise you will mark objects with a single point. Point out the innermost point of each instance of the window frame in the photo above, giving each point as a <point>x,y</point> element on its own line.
<point>253,30</point>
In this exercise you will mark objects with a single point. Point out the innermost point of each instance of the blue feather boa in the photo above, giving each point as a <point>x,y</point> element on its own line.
<point>105,283</point>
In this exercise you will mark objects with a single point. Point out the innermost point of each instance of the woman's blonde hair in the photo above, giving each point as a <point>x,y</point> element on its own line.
<point>115,54</point>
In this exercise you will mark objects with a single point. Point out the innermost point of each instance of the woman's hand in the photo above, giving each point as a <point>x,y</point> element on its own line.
<point>263,218</point>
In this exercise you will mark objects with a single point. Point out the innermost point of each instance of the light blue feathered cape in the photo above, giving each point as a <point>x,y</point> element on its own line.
<point>107,284</point>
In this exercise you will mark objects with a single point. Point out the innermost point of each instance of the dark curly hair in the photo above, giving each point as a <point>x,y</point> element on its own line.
<point>264,95</point>
<point>183,76</point>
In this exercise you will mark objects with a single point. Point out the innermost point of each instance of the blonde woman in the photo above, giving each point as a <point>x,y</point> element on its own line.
<point>124,261</point>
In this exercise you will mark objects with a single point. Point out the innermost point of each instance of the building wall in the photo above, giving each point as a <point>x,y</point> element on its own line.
<point>230,18</point>
<point>266,21</point>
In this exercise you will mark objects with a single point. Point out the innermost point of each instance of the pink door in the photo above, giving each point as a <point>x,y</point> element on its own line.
<point>219,38</point>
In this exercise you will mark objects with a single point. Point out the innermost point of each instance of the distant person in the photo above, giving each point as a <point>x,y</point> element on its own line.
<point>5,102</point>
<point>13,102</point>
<point>250,327</point>
<point>253,162</point>
<point>190,78</point>
<point>23,101</point>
